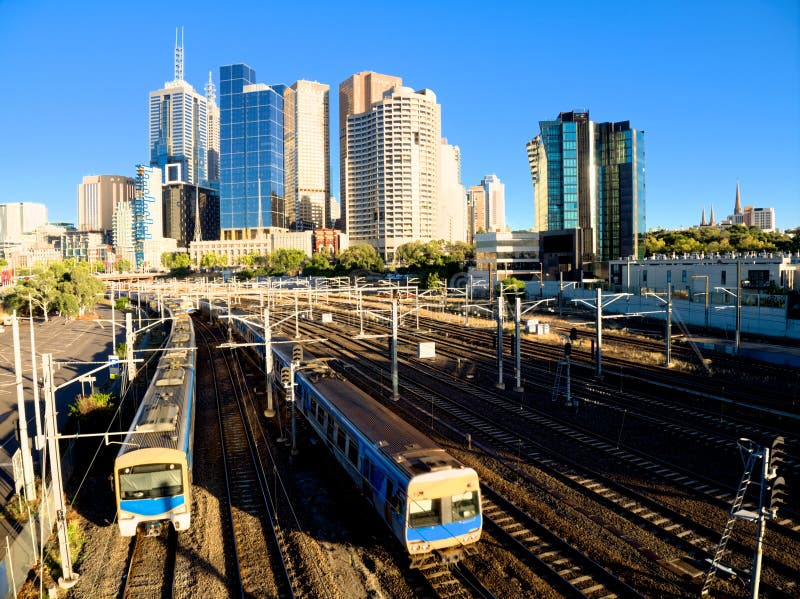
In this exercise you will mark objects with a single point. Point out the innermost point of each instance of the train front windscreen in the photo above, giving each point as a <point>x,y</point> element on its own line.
<point>149,481</point>
<point>432,512</point>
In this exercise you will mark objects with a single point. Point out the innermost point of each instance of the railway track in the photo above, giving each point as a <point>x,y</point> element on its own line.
<point>258,540</point>
<point>657,520</point>
<point>151,566</point>
<point>571,572</point>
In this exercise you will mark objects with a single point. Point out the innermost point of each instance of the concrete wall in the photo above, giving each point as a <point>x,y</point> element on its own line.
<point>755,320</point>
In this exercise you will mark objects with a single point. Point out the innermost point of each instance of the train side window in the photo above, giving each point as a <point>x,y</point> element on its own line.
<point>330,427</point>
<point>341,438</point>
<point>320,414</point>
<point>352,451</point>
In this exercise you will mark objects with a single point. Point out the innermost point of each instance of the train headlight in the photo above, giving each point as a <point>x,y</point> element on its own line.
<point>181,509</point>
<point>125,515</point>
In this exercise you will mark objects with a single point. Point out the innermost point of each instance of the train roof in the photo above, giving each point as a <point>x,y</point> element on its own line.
<point>162,418</point>
<point>403,444</point>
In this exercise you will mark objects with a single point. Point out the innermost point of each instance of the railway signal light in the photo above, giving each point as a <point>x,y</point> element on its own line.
<point>573,334</point>
<point>777,455</point>
<point>567,349</point>
<point>286,376</point>
<point>777,494</point>
<point>297,354</point>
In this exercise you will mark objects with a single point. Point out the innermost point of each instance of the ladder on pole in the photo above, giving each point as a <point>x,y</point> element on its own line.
<point>732,517</point>
<point>558,385</point>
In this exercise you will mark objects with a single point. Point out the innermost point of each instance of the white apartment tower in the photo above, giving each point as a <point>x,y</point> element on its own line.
<point>451,209</point>
<point>356,95</point>
<point>307,180</point>
<point>495,203</point>
<point>122,239</point>
<point>19,218</point>
<point>98,195</point>
<point>392,169</point>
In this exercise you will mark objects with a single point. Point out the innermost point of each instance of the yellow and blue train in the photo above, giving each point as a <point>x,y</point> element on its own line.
<point>153,470</point>
<point>430,501</point>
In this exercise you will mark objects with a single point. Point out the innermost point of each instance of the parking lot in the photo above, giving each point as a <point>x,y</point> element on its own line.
<point>70,343</point>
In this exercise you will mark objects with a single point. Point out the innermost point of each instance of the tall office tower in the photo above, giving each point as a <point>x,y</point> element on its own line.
<point>19,218</point>
<point>476,204</point>
<point>179,128</point>
<point>307,155</point>
<point>620,191</point>
<point>191,213</point>
<point>537,158</point>
<point>356,95</point>
<point>97,197</point>
<point>392,170</point>
<point>590,176</point>
<point>251,196</point>
<point>495,203</point>
<point>212,132</point>
<point>451,205</point>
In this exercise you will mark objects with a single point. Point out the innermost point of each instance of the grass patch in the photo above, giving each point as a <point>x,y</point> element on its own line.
<point>87,404</point>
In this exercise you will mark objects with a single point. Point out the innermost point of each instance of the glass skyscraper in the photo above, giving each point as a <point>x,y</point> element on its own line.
<point>251,154</point>
<point>590,176</point>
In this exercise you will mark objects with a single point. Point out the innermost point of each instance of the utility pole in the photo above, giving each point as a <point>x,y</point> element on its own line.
<point>37,442</point>
<point>113,322</point>
<point>296,317</point>
<point>69,577</point>
<point>395,393</point>
<point>599,326</point>
<point>500,384</point>
<point>24,442</point>
<point>517,346</point>
<point>668,332</point>
<point>738,303</point>
<point>129,346</point>
<point>268,367</point>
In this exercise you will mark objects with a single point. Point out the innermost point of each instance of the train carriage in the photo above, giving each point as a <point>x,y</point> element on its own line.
<point>429,500</point>
<point>152,472</point>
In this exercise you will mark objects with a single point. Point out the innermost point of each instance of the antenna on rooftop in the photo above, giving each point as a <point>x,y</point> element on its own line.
<point>211,90</point>
<point>178,56</point>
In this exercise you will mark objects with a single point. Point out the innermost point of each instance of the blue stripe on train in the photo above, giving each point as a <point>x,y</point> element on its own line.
<point>151,507</point>
<point>445,531</point>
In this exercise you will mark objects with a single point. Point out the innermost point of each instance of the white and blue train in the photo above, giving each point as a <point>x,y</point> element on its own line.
<point>153,470</point>
<point>430,501</point>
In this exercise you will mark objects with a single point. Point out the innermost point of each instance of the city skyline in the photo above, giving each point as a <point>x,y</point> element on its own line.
<point>707,104</point>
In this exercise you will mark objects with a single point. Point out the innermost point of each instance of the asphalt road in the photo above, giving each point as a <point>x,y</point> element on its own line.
<point>70,343</point>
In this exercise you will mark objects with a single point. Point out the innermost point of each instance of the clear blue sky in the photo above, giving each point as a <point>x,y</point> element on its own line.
<point>715,85</point>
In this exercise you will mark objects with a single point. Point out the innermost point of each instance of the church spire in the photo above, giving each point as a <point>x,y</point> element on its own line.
<point>711,222</point>
<point>738,208</point>
<point>178,56</point>
<point>703,219</point>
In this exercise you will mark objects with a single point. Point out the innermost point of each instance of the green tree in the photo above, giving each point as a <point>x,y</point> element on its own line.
<point>319,265</point>
<point>66,287</point>
<point>286,262</point>
<point>361,257</point>
<point>123,265</point>
<point>434,281</point>
<point>511,288</point>
<point>3,262</point>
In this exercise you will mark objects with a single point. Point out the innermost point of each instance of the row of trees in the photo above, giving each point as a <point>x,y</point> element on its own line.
<point>737,238</point>
<point>66,288</point>
<point>433,261</point>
